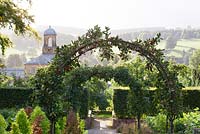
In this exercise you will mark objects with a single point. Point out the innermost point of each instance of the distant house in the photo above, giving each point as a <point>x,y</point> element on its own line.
<point>48,52</point>
<point>13,71</point>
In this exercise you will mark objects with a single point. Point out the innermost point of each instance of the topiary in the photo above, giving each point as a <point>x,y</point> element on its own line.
<point>23,122</point>
<point>44,123</point>
<point>3,125</point>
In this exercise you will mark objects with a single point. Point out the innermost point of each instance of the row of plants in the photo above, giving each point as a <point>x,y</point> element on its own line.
<point>183,125</point>
<point>35,121</point>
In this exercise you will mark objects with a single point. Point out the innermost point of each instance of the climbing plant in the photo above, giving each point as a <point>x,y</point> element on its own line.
<point>67,59</point>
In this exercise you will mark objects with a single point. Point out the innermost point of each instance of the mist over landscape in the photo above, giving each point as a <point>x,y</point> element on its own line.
<point>99,67</point>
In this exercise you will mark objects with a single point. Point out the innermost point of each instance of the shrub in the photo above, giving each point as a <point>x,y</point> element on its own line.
<point>9,116</point>
<point>157,123</point>
<point>36,125</point>
<point>82,126</point>
<point>3,125</point>
<point>72,124</point>
<point>44,123</point>
<point>179,127</point>
<point>15,128</point>
<point>184,125</point>
<point>190,120</point>
<point>60,125</point>
<point>23,122</point>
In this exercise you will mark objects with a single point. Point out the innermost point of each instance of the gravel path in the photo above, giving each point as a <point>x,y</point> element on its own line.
<point>101,126</point>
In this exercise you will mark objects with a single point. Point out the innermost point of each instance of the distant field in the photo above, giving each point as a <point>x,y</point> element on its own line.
<point>193,43</point>
<point>182,45</point>
<point>161,45</point>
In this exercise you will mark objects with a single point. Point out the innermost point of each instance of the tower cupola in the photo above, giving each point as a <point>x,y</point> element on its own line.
<point>49,46</point>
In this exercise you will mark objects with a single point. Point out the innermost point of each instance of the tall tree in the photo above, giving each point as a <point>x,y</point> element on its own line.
<point>15,18</point>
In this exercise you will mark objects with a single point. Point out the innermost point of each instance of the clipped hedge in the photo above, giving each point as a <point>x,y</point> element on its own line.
<point>120,100</point>
<point>191,100</point>
<point>14,97</point>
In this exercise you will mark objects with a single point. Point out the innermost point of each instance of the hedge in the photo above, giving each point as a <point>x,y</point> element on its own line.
<point>120,100</point>
<point>14,97</point>
<point>191,100</point>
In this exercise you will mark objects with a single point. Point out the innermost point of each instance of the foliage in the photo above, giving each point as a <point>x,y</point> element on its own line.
<point>4,80</point>
<point>191,99</point>
<point>2,62</point>
<point>3,125</point>
<point>188,122</point>
<point>157,123</point>
<point>14,97</point>
<point>170,101</point>
<point>72,124</point>
<point>20,82</point>
<point>74,79</point>
<point>23,122</point>
<point>185,75</point>
<point>39,115</point>
<point>97,94</point>
<point>15,128</point>
<point>6,113</point>
<point>37,129</point>
<point>60,125</point>
<point>16,18</point>
<point>48,93</point>
<point>120,97</point>
<point>139,101</point>
<point>183,125</point>
<point>82,126</point>
<point>194,63</point>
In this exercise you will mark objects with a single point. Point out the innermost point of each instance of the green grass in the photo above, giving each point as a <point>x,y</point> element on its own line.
<point>103,114</point>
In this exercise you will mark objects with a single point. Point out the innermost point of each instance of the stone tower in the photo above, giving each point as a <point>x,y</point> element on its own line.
<point>49,46</point>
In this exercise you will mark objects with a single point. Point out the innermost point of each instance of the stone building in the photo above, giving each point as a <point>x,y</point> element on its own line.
<point>48,52</point>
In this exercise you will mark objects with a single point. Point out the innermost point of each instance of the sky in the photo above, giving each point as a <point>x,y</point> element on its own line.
<point>117,14</point>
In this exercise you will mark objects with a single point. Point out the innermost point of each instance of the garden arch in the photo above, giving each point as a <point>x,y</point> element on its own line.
<point>67,59</point>
<point>73,81</point>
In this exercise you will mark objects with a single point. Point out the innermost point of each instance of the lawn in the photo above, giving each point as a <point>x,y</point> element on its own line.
<point>103,114</point>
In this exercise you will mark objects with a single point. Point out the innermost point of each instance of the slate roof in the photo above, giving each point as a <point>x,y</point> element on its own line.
<point>43,59</point>
<point>50,31</point>
<point>18,72</point>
